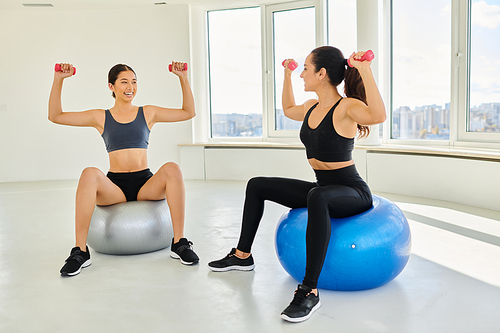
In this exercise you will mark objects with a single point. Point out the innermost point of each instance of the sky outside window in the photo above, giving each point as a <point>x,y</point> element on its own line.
<point>235,72</point>
<point>484,83</point>
<point>421,69</point>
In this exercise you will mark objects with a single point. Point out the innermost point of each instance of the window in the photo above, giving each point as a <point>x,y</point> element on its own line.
<point>421,85</point>
<point>484,72</point>
<point>342,30</point>
<point>294,37</point>
<point>245,79</point>
<point>443,55</point>
<point>235,67</point>
<point>245,52</point>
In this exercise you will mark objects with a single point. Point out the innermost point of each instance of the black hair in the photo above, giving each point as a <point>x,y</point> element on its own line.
<point>115,71</point>
<point>332,60</point>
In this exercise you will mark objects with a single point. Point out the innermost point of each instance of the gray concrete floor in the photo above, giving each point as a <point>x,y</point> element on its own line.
<point>451,283</point>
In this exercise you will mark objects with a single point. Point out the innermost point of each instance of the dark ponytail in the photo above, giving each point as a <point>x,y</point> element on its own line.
<point>332,59</point>
<point>115,71</point>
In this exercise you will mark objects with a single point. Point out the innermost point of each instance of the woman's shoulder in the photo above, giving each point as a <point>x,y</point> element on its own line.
<point>96,111</point>
<point>148,110</point>
<point>350,101</point>
<point>310,103</point>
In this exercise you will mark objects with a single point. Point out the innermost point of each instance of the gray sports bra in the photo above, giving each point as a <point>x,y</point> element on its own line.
<point>119,136</point>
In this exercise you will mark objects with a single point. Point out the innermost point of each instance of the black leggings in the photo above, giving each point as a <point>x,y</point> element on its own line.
<point>337,193</point>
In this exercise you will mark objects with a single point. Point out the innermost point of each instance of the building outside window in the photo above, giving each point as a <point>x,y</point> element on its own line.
<point>421,49</point>
<point>484,77</point>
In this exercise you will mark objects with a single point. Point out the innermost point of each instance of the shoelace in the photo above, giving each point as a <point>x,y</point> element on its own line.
<point>77,256</point>
<point>299,297</point>
<point>181,248</point>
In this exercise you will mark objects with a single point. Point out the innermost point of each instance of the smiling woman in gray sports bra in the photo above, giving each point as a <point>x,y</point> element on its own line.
<point>125,130</point>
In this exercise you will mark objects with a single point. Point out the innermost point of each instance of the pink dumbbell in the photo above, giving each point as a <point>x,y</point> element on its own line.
<point>57,68</point>
<point>368,56</point>
<point>292,65</point>
<point>185,67</point>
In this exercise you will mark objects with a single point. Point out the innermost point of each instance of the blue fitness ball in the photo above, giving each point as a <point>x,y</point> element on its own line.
<point>365,250</point>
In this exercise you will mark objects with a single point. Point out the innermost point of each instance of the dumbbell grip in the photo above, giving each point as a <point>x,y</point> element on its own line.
<point>292,65</point>
<point>185,67</point>
<point>57,68</point>
<point>368,56</point>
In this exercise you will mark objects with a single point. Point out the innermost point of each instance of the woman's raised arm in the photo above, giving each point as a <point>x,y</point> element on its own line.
<point>56,114</point>
<point>187,111</point>
<point>290,109</point>
<point>374,111</point>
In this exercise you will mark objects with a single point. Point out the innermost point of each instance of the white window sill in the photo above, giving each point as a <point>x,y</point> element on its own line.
<point>442,151</point>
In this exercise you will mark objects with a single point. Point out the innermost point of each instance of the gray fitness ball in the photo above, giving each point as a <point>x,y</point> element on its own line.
<point>131,227</point>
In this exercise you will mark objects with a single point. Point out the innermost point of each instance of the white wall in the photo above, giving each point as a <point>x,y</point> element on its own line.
<point>472,182</point>
<point>33,40</point>
<point>466,181</point>
<point>243,163</point>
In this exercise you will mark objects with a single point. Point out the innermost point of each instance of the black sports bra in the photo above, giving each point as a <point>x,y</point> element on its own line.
<point>323,142</point>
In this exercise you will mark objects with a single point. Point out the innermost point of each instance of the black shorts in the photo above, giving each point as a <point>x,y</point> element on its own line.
<point>130,182</point>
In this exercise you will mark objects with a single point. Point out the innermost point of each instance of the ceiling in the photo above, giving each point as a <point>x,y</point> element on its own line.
<point>107,4</point>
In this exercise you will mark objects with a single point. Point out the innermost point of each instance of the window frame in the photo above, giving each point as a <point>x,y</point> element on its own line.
<point>268,113</point>
<point>208,125</point>
<point>463,58</point>
<point>388,125</point>
<point>270,79</point>
<point>460,74</point>
<point>459,87</point>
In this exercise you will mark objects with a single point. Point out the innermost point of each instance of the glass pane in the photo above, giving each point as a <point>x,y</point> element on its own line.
<point>484,104</point>
<point>235,72</point>
<point>342,30</point>
<point>294,37</point>
<point>342,26</point>
<point>421,69</point>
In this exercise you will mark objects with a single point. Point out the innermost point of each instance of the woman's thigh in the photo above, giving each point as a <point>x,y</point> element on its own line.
<point>288,192</point>
<point>341,201</point>
<point>107,193</point>
<point>169,175</point>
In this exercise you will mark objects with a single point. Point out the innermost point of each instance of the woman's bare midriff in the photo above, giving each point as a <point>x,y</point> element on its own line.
<point>319,165</point>
<point>128,160</point>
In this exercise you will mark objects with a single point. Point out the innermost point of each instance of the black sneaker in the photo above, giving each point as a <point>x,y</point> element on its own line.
<point>232,262</point>
<point>303,305</point>
<point>183,250</point>
<point>76,261</point>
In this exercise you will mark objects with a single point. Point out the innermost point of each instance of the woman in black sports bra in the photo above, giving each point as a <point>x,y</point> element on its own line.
<point>330,124</point>
<point>125,129</point>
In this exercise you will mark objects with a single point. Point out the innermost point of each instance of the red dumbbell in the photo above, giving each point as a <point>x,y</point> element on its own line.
<point>185,67</point>
<point>292,65</point>
<point>368,56</point>
<point>57,68</point>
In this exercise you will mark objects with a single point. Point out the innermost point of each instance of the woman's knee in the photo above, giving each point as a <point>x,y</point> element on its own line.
<point>90,178</point>
<point>317,196</point>
<point>91,174</point>
<point>171,170</point>
<point>255,184</point>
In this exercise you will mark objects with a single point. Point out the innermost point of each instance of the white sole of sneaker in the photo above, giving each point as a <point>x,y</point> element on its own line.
<point>298,320</point>
<point>176,256</point>
<point>85,264</point>
<point>232,268</point>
